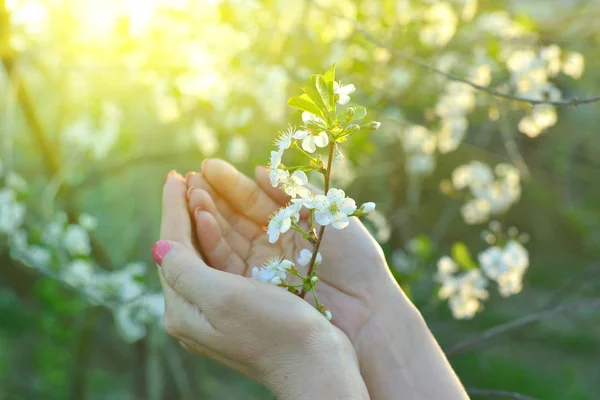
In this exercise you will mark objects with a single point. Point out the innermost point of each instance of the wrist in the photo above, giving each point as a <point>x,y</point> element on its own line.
<point>327,367</point>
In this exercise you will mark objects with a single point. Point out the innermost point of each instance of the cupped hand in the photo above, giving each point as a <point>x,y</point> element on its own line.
<point>231,212</point>
<point>258,329</point>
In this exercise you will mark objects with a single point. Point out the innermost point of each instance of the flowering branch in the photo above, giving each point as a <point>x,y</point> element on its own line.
<point>498,393</point>
<point>312,264</point>
<point>573,101</point>
<point>519,323</point>
<point>322,127</point>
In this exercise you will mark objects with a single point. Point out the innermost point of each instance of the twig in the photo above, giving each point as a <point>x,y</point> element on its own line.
<point>518,323</point>
<point>313,259</point>
<point>573,101</point>
<point>499,393</point>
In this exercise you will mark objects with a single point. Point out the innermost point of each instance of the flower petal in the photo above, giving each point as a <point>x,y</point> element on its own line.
<point>346,89</point>
<point>308,144</point>
<point>348,205</point>
<point>321,139</point>
<point>299,135</point>
<point>323,218</point>
<point>340,221</point>
<point>343,99</point>
<point>300,177</point>
<point>336,195</point>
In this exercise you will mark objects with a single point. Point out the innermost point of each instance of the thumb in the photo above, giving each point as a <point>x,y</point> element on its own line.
<point>186,273</point>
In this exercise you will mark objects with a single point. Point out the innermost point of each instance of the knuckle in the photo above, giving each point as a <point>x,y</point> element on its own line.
<point>253,196</point>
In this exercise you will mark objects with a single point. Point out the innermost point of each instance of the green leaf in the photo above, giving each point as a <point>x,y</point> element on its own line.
<point>329,80</point>
<point>321,86</point>
<point>310,88</point>
<point>304,103</point>
<point>462,256</point>
<point>359,112</point>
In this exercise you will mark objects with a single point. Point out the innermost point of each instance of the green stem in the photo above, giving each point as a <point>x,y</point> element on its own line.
<point>301,150</point>
<point>317,245</point>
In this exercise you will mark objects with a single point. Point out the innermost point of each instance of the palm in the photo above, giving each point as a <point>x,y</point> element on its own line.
<point>352,260</point>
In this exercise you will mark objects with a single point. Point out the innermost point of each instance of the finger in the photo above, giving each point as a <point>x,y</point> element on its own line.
<point>176,224</point>
<point>241,192</point>
<point>236,228</point>
<point>207,288</point>
<point>184,320</point>
<point>215,247</point>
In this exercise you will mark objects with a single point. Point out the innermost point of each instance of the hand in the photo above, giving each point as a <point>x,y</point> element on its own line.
<point>396,350</point>
<point>253,327</point>
<point>231,211</point>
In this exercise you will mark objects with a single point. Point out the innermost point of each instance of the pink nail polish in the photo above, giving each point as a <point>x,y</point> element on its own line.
<point>159,251</point>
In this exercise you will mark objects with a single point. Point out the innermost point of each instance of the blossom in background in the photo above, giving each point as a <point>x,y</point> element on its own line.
<point>305,257</point>
<point>272,271</point>
<point>492,191</point>
<point>573,65</point>
<point>439,26</point>
<point>12,212</point>
<point>343,93</point>
<point>77,241</point>
<point>464,292</point>
<point>334,208</point>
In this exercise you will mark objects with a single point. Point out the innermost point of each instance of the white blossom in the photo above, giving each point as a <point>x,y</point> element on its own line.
<point>293,185</point>
<point>492,262</point>
<point>285,138</point>
<point>237,150</point>
<point>282,220</point>
<point>79,273</point>
<point>272,271</point>
<point>88,222</point>
<point>343,93</point>
<point>334,208</point>
<point>312,140</point>
<point>306,256</point>
<point>328,315</point>
<point>516,256</point>
<point>276,174</point>
<point>445,267</point>
<point>574,65</point>
<point>367,208</point>
<point>77,241</point>
<point>12,212</point>
<point>439,26</point>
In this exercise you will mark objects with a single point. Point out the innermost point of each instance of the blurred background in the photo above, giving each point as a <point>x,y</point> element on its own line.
<point>99,100</point>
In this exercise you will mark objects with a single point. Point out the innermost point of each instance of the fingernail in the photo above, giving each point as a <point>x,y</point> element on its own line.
<point>170,174</point>
<point>159,251</point>
<point>189,176</point>
<point>197,212</point>
<point>190,190</point>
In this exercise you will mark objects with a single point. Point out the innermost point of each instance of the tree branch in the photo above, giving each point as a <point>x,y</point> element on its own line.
<point>498,393</point>
<point>518,323</point>
<point>573,101</point>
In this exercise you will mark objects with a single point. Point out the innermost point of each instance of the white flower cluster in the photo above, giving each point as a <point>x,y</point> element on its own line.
<point>490,195</point>
<point>332,208</point>
<point>63,253</point>
<point>506,266</point>
<point>466,290</point>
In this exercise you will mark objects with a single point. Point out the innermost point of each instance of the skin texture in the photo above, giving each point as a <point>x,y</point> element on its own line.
<point>257,329</point>
<point>397,353</point>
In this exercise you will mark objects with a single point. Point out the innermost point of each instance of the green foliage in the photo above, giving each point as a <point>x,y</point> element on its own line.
<point>461,254</point>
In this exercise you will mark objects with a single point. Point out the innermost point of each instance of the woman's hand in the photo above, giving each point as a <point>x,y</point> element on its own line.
<point>231,211</point>
<point>397,353</point>
<point>258,329</point>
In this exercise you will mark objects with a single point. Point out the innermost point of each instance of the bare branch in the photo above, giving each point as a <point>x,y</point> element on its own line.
<point>518,323</point>
<point>573,101</point>
<point>498,393</point>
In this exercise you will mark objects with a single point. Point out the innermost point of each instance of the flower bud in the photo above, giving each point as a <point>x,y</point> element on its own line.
<point>327,314</point>
<point>314,280</point>
<point>337,154</point>
<point>372,126</point>
<point>353,128</point>
<point>350,111</point>
<point>276,281</point>
<point>367,207</point>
